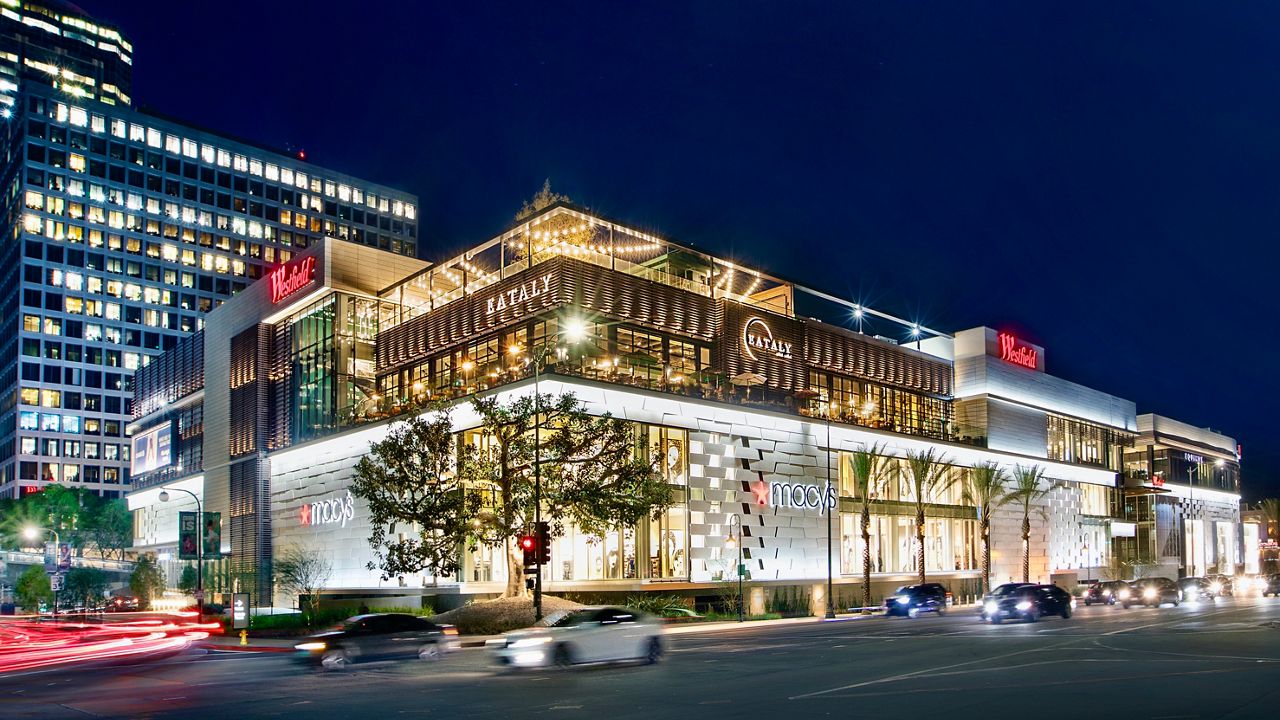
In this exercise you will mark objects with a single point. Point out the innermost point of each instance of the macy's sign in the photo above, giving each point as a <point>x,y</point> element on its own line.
<point>334,511</point>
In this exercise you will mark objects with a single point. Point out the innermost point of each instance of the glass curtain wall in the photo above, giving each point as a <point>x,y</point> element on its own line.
<point>312,380</point>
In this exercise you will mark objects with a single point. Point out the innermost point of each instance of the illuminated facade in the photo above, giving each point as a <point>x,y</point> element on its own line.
<point>121,231</point>
<point>57,45</point>
<point>754,407</point>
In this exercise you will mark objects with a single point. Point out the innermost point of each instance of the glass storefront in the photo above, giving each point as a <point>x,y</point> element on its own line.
<point>847,400</point>
<point>1075,441</point>
<point>312,371</point>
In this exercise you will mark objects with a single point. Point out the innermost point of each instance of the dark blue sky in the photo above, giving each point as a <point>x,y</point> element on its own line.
<point>1104,179</point>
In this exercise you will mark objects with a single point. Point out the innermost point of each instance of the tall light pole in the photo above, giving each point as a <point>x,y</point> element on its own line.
<point>831,602</point>
<point>539,358</point>
<point>735,517</point>
<point>1191,504</point>
<point>164,497</point>
<point>32,533</point>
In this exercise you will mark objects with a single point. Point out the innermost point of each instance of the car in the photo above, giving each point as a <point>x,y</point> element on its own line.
<point>1195,589</point>
<point>1224,584</point>
<point>911,600</point>
<point>1025,601</point>
<point>377,636</point>
<point>123,603</point>
<point>586,635</point>
<point>1273,586</point>
<point>1103,593</point>
<point>1151,592</point>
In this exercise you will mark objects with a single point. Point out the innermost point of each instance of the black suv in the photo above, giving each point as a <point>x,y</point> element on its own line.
<point>911,600</point>
<point>1273,586</point>
<point>1104,593</point>
<point>377,637</point>
<point>1025,601</point>
<point>1152,592</point>
<point>1195,589</point>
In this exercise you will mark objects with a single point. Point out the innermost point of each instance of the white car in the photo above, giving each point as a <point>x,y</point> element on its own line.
<point>589,635</point>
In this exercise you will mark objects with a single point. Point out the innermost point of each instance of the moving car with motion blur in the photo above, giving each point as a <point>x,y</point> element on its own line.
<point>1273,586</point>
<point>1195,589</point>
<point>1025,601</point>
<point>1151,592</point>
<point>1223,585</point>
<point>576,637</point>
<point>911,600</point>
<point>379,636</point>
<point>1103,593</point>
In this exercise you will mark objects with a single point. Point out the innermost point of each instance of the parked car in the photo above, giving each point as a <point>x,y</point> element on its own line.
<point>378,636</point>
<point>589,635</point>
<point>1104,593</point>
<point>1195,589</point>
<point>1151,592</point>
<point>1025,601</point>
<point>911,600</point>
<point>1273,586</point>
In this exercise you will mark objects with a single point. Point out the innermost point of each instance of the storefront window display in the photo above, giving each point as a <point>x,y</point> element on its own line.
<point>951,544</point>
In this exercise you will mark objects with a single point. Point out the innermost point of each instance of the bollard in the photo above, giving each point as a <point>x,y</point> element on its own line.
<point>244,637</point>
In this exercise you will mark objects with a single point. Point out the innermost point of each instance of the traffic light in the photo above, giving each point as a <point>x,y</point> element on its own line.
<point>543,544</point>
<point>529,546</point>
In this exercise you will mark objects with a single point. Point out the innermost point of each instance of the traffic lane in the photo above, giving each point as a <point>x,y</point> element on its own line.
<point>903,661</point>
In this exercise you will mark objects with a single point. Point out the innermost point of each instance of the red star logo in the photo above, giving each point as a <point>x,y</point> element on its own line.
<point>761,491</point>
<point>304,514</point>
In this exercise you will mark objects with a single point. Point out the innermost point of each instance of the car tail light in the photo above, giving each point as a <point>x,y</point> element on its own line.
<point>451,630</point>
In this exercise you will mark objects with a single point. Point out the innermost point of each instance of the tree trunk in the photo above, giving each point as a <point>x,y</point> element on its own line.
<point>920,544</point>
<point>1026,548</point>
<point>866,560</point>
<point>515,572</point>
<point>986,554</point>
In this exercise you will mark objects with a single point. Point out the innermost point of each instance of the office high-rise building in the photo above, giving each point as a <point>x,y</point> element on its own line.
<point>56,44</point>
<point>118,231</point>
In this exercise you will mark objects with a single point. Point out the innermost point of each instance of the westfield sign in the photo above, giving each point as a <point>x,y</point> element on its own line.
<point>292,277</point>
<point>1013,350</point>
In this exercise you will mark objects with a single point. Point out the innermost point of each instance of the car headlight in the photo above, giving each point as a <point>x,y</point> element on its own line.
<point>1106,593</point>
<point>530,642</point>
<point>309,646</point>
<point>902,599</point>
<point>1215,587</point>
<point>1149,593</point>
<point>991,607</point>
<point>1024,605</point>
<point>1124,594</point>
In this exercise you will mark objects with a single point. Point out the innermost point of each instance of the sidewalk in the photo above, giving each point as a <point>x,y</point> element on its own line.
<point>232,642</point>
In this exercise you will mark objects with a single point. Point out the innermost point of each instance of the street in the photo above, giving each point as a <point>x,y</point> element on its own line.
<point>1194,661</point>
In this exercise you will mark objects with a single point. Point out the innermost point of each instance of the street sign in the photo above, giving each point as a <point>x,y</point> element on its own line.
<point>199,595</point>
<point>212,534</point>
<point>188,536</point>
<point>55,582</point>
<point>239,611</point>
<point>742,569</point>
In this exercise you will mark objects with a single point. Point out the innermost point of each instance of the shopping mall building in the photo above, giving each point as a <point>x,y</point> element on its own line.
<point>753,405</point>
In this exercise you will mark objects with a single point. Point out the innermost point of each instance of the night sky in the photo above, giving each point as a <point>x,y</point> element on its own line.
<point>1101,179</point>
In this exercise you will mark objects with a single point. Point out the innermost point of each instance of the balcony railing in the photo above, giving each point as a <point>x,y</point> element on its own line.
<point>711,386</point>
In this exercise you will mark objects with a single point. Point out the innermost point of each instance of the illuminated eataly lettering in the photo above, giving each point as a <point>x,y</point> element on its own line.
<point>523,293</point>
<point>756,335</point>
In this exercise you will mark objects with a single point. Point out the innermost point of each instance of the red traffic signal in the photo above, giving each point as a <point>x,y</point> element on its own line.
<point>529,546</point>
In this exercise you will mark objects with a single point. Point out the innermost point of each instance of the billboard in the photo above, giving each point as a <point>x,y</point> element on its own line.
<point>152,449</point>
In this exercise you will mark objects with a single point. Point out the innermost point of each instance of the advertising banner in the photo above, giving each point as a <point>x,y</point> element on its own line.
<point>50,558</point>
<point>212,534</point>
<point>188,536</point>
<point>64,557</point>
<point>152,450</point>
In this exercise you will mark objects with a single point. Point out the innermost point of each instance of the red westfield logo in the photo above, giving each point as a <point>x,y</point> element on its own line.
<point>1014,351</point>
<point>289,279</point>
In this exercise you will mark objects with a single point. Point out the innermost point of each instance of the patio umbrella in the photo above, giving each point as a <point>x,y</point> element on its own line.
<point>748,380</point>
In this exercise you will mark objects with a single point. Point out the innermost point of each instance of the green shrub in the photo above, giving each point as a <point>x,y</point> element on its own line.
<point>660,605</point>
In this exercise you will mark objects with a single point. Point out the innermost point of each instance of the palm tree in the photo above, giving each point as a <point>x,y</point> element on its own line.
<point>870,470</point>
<point>986,491</point>
<point>930,477</point>
<point>1271,517</point>
<point>1026,491</point>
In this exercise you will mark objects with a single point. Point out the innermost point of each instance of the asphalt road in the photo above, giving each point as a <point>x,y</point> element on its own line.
<point>1206,661</point>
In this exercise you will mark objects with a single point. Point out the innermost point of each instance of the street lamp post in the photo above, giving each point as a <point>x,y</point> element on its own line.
<point>164,497</point>
<point>1191,508</point>
<point>32,533</point>
<point>831,602</point>
<point>735,517</point>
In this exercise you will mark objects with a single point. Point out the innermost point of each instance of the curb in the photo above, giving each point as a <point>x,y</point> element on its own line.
<point>245,648</point>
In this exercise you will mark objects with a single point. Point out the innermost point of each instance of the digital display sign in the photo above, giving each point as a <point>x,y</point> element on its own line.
<point>152,450</point>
